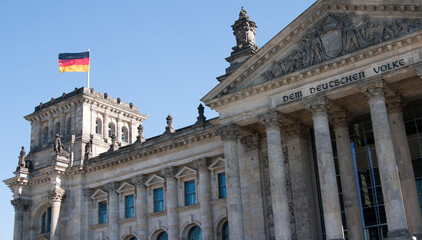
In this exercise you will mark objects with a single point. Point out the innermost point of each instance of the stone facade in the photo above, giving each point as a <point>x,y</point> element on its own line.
<point>280,162</point>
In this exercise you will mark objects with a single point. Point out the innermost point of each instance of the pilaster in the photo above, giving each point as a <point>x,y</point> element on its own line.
<point>141,204</point>
<point>204,191</point>
<point>21,205</point>
<point>171,201</point>
<point>113,209</point>
<point>55,195</point>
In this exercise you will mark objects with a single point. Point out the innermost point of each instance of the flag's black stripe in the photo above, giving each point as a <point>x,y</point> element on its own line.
<point>74,55</point>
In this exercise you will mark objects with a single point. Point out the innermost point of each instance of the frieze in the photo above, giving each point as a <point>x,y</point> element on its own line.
<point>337,35</point>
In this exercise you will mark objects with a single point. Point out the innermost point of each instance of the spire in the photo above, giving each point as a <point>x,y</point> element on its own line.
<point>245,30</point>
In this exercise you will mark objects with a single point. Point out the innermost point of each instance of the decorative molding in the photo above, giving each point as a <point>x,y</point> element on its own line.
<point>395,104</point>
<point>340,118</point>
<point>271,119</point>
<point>229,132</point>
<point>56,195</point>
<point>169,172</point>
<point>111,187</point>
<point>140,180</point>
<point>317,106</point>
<point>88,192</point>
<point>373,89</point>
<point>201,164</point>
<point>125,187</point>
<point>99,194</point>
<point>21,204</point>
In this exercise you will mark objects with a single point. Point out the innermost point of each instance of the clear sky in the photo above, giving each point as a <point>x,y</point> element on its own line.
<point>163,56</point>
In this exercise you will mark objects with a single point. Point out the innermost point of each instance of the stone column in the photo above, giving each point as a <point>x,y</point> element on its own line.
<point>141,204</point>
<point>86,213</point>
<point>21,206</point>
<point>171,202</point>
<point>296,142</point>
<point>404,163</point>
<point>113,210</point>
<point>56,195</point>
<point>318,107</point>
<point>230,134</point>
<point>374,92</point>
<point>204,191</point>
<point>105,125</point>
<point>279,197</point>
<point>348,179</point>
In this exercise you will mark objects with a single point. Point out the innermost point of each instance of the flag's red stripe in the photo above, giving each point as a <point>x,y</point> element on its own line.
<point>70,62</point>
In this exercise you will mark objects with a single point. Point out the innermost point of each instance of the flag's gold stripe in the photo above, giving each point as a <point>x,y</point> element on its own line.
<point>74,68</point>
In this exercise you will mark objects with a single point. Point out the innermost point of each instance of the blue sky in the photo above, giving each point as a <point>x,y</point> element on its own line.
<point>163,56</point>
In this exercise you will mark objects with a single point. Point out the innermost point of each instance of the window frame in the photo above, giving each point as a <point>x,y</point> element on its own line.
<point>188,194</point>
<point>102,213</point>
<point>221,186</point>
<point>46,219</point>
<point>129,209</point>
<point>155,201</point>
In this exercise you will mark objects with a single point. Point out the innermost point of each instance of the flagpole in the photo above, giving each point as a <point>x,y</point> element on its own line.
<point>89,63</point>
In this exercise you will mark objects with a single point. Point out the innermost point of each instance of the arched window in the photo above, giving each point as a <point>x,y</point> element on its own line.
<point>162,236</point>
<point>46,221</point>
<point>98,126</point>
<point>45,135</point>
<point>225,231</point>
<point>110,129</point>
<point>68,126</point>
<point>195,233</point>
<point>125,137</point>
<point>132,238</point>
<point>57,128</point>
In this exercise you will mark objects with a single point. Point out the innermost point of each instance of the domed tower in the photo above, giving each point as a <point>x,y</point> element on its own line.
<point>245,30</point>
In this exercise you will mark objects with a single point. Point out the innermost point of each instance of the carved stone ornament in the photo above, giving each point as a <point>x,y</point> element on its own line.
<point>295,129</point>
<point>201,117</point>
<point>229,132</point>
<point>339,34</point>
<point>419,72</point>
<point>317,106</point>
<point>340,118</point>
<point>56,194</point>
<point>111,187</point>
<point>169,172</point>
<point>88,192</point>
<point>395,104</point>
<point>270,119</point>
<point>201,164</point>
<point>59,147</point>
<point>21,204</point>
<point>140,138</point>
<point>169,127</point>
<point>114,146</point>
<point>245,30</point>
<point>139,180</point>
<point>250,142</point>
<point>374,89</point>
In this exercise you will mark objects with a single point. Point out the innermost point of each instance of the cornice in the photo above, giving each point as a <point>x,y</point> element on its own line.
<point>324,67</point>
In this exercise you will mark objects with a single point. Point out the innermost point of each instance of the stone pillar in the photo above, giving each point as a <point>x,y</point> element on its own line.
<point>404,163</point>
<point>374,92</point>
<point>21,206</point>
<point>318,107</point>
<point>348,179</point>
<point>86,213</point>
<point>204,191</point>
<point>105,125</point>
<point>230,134</point>
<point>113,210</point>
<point>118,130</point>
<point>171,202</point>
<point>279,197</point>
<point>141,204</point>
<point>56,195</point>
<point>296,142</point>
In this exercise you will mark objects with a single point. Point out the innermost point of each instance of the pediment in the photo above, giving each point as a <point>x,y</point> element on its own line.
<point>154,179</point>
<point>218,163</point>
<point>99,194</point>
<point>125,187</point>
<point>326,31</point>
<point>185,172</point>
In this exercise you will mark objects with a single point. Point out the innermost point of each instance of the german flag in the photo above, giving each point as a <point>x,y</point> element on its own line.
<point>74,62</point>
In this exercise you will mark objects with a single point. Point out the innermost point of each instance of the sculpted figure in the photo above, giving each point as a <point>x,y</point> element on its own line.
<point>316,47</point>
<point>59,148</point>
<point>352,39</point>
<point>22,155</point>
<point>88,149</point>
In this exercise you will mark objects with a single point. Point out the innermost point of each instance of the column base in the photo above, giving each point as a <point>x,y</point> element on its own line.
<point>402,234</point>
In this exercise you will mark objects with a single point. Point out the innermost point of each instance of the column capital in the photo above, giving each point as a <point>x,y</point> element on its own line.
<point>270,119</point>
<point>373,89</point>
<point>201,164</point>
<point>395,104</point>
<point>250,142</point>
<point>88,192</point>
<point>340,118</point>
<point>139,180</point>
<point>229,132</point>
<point>296,128</point>
<point>169,172</point>
<point>21,204</point>
<point>111,187</point>
<point>317,106</point>
<point>56,194</point>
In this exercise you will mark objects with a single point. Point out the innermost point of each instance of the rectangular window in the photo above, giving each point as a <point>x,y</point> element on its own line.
<point>190,196</point>
<point>222,185</point>
<point>129,206</point>
<point>158,200</point>
<point>102,212</point>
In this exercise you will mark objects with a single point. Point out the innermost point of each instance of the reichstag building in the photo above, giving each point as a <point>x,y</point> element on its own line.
<point>319,136</point>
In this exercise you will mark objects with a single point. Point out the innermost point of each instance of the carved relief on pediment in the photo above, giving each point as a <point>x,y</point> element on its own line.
<point>337,35</point>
